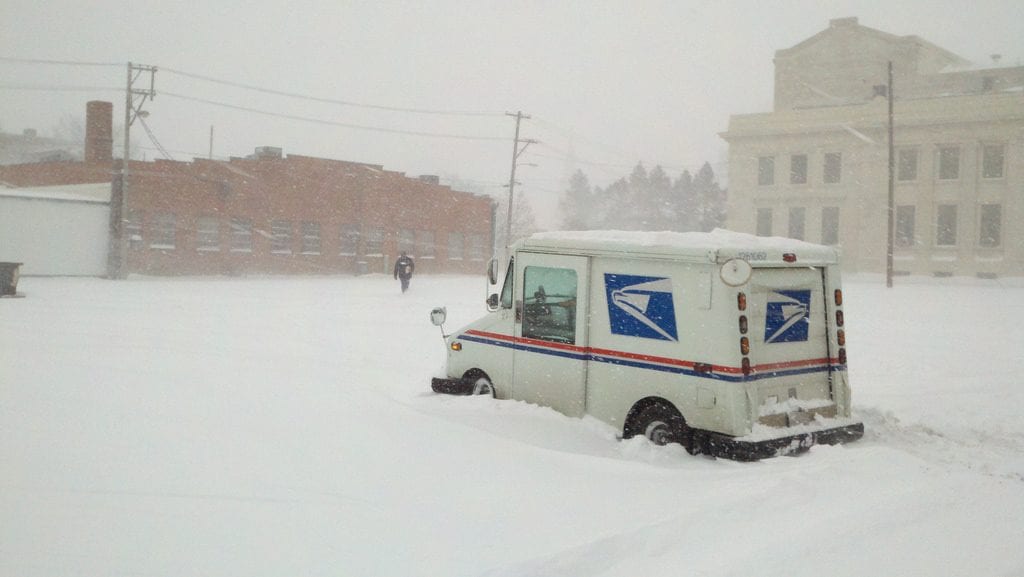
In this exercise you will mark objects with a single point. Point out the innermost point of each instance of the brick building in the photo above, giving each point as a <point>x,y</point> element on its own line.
<point>276,214</point>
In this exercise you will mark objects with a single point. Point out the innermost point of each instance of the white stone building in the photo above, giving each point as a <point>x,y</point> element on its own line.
<point>817,166</point>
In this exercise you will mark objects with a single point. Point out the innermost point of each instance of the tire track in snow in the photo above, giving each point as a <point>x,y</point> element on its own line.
<point>997,454</point>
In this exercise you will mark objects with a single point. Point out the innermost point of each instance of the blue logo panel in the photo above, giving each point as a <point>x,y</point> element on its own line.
<point>641,306</point>
<point>787,315</point>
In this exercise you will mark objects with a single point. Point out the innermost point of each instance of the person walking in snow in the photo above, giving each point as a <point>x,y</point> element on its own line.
<point>404,268</point>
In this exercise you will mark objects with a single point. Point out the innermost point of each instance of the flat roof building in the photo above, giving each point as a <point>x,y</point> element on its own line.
<point>816,168</point>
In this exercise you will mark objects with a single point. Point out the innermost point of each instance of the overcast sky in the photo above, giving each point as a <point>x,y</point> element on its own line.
<point>610,83</point>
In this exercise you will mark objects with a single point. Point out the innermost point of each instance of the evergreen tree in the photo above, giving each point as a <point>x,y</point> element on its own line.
<point>659,209</point>
<point>645,200</point>
<point>615,205</point>
<point>635,208</point>
<point>684,203</point>
<point>710,199</point>
<point>577,205</point>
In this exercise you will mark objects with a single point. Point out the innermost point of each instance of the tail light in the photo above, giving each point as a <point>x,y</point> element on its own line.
<point>841,337</point>
<point>789,257</point>
<point>743,324</point>
<point>839,297</point>
<point>746,365</point>
<point>741,301</point>
<point>745,345</point>
<point>839,318</point>
<point>842,357</point>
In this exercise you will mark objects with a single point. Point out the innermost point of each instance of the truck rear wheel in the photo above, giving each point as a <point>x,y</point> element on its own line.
<point>662,424</point>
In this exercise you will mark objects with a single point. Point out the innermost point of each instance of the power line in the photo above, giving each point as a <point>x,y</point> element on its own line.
<point>332,100</point>
<point>51,88</point>
<point>58,62</point>
<point>335,123</point>
<point>153,139</point>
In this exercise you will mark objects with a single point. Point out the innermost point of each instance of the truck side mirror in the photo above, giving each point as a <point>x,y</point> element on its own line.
<point>438,316</point>
<point>492,302</point>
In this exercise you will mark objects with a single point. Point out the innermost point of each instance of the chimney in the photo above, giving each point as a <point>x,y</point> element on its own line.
<point>99,141</point>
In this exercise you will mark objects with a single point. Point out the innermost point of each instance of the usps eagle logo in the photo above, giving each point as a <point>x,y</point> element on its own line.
<point>788,314</point>
<point>641,306</point>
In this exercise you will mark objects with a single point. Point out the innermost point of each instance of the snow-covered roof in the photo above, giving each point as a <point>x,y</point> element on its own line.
<point>98,192</point>
<point>717,245</point>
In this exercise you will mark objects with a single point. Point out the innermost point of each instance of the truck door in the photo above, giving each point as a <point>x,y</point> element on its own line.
<point>550,358</point>
<point>789,334</point>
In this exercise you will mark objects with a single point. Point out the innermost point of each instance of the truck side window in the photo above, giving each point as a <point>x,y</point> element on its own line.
<point>549,304</point>
<point>506,289</point>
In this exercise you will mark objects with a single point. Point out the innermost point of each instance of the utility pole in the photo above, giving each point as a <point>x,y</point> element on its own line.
<point>516,151</point>
<point>892,190</point>
<point>134,98</point>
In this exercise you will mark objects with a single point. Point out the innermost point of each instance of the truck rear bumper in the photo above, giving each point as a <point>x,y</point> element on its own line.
<point>741,449</point>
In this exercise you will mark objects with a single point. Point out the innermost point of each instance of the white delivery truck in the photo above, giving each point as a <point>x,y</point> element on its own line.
<point>729,344</point>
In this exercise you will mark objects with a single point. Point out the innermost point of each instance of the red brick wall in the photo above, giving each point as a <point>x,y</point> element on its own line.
<point>55,173</point>
<point>297,189</point>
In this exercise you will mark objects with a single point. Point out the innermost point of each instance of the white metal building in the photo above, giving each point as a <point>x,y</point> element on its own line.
<point>56,230</point>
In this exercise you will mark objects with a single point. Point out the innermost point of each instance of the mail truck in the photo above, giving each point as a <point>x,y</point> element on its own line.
<point>728,344</point>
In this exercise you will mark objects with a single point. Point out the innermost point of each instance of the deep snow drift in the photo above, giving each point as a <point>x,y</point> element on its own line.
<point>251,427</point>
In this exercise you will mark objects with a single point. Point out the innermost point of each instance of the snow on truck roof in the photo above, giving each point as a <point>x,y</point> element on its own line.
<point>717,245</point>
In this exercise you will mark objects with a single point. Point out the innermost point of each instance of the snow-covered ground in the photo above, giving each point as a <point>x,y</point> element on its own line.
<point>285,427</point>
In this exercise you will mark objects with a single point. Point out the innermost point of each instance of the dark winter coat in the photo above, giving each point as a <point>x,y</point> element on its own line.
<point>404,267</point>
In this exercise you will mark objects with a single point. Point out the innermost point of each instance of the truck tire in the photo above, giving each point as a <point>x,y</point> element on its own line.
<point>662,424</point>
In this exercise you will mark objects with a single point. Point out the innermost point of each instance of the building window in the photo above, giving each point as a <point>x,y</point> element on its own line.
<point>796,222</point>
<point>905,226</point>
<point>907,164</point>
<point>375,242</point>
<point>406,241</point>
<point>945,225</point>
<point>833,168</point>
<point>830,225</point>
<point>949,163</point>
<point>455,244</point>
<point>133,229</point>
<point>207,233</point>
<point>163,231</point>
<point>310,238</point>
<point>241,235</point>
<point>764,222</point>
<point>990,227</point>
<point>348,241</point>
<point>798,169</point>
<point>766,170</point>
<point>281,236</point>
<point>992,159</point>
<point>425,244</point>
<point>476,246</point>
